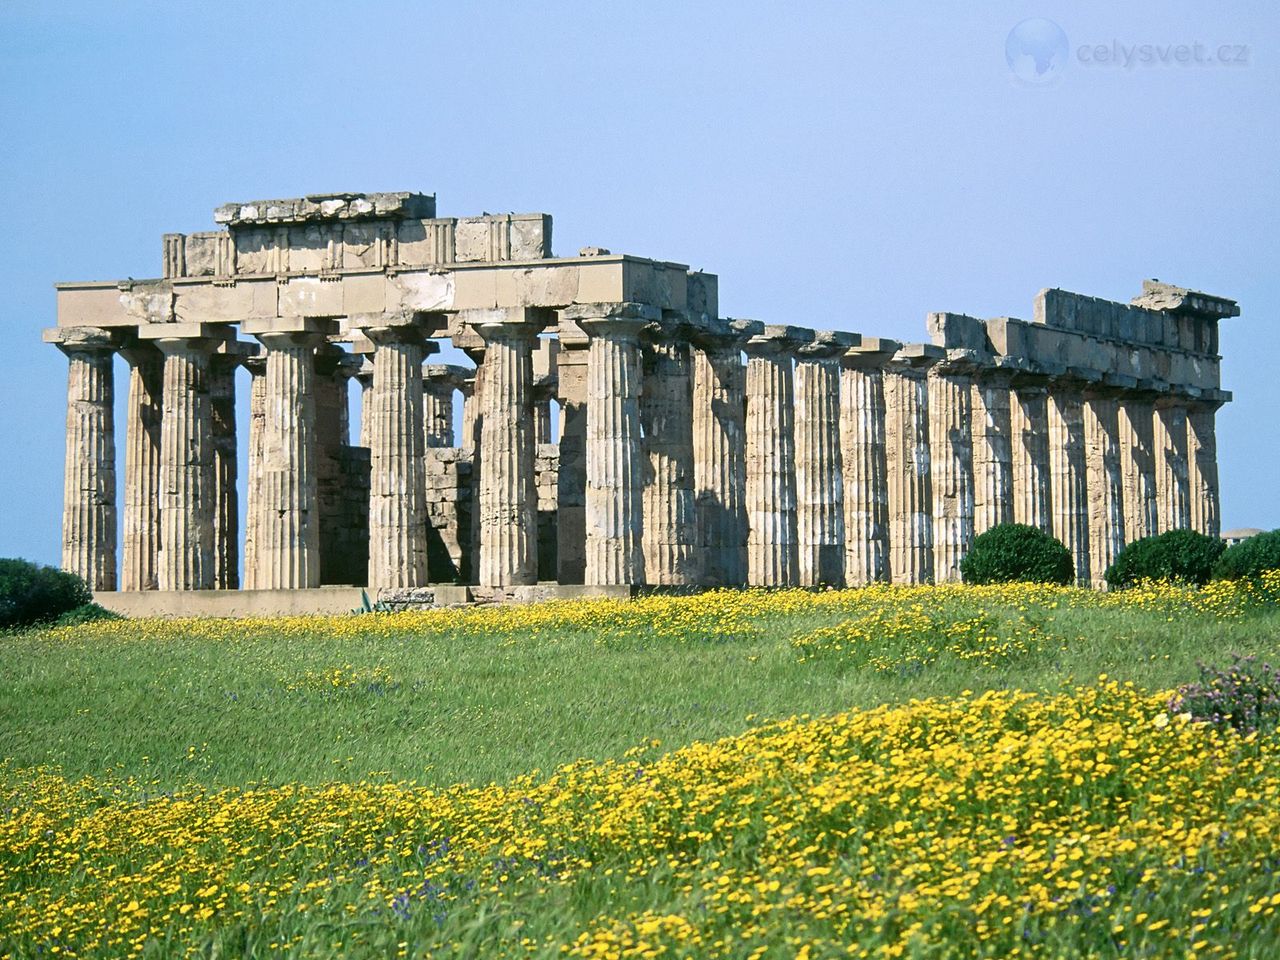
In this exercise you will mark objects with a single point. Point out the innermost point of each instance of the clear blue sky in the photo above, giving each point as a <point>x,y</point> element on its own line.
<point>838,165</point>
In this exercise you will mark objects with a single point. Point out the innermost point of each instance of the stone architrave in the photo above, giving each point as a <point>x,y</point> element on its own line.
<point>1173,493</point>
<point>666,416</point>
<point>1069,470</point>
<point>1029,435</point>
<point>820,508</point>
<point>907,461</point>
<point>719,441</point>
<point>1202,460</point>
<point>139,568</point>
<point>288,534</point>
<point>951,462</point>
<point>397,475</point>
<point>188,490</point>
<point>862,433</point>
<point>1105,480</point>
<point>992,450</point>
<point>257,367</point>
<point>773,557</point>
<point>507,504</point>
<point>1136,421</point>
<point>89,491</point>
<point>614,441</point>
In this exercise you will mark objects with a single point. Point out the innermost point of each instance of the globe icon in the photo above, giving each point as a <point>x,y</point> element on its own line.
<point>1036,50</point>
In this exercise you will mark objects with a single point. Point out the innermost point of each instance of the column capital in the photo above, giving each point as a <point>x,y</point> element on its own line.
<point>827,345</point>
<point>777,340</point>
<point>915,359</point>
<point>443,377</point>
<point>959,362</point>
<point>870,353</point>
<point>84,339</point>
<point>283,340</point>
<point>506,323</point>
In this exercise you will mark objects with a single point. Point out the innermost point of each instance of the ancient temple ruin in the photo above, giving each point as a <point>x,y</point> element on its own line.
<point>688,449</point>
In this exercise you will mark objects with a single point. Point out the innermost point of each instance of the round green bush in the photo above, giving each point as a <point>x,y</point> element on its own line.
<point>1015,552</point>
<point>1183,555</point>
<point>1249,558</point>
<point>31,593</point>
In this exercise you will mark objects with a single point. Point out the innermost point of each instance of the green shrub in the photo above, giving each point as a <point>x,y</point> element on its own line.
<point>1182,555</point>
<point>1249,558</point>
<point>31,593</point>
<point>88,613</point>
<point>1015,552</point>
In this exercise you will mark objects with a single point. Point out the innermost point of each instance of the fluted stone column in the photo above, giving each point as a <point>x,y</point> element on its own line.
<point>226,501</point>
<point>438,383</point>
<point>508,498</point>
<point>1069,469</point>
<point>139,569</point>
<point>1136,417</point>
<point>992,451</point>
<point>188,504</point>
<point>615,445</point>
<point>257,367</point>
<point>1105,481</point>
<point>288,534</point>
<point>862,433</point>
<point>397,479</point>
<point>773,558</point>
<point>666,416</point>
<point>571,475</point>
<point>364,377</point>
<point>1029,433</point>
<point>907,464</point>
<point>719,441</point>
<point>470,413</point>
<point>819,469</point>
<point>542,420</point>
<point>89,491</point>
<point>1202,459</point>
<point>951,463</point>
<point>1173,503</point>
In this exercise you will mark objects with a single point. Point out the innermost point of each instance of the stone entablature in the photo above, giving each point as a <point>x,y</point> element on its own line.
<point>691,449</point>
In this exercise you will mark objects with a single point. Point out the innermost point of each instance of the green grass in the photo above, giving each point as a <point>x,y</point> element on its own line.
<point>463,707</point>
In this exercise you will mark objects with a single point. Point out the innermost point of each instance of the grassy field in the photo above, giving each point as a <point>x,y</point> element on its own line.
<point>967,772</point>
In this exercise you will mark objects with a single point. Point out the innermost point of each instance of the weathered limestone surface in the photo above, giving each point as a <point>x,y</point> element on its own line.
<point>1173,493</point>
<point>666,416</point>
<point>863,460</point>
<point>1138,468</point>
<point>226,525</point>
<point>89,502</point>
<point>819,474</point>
<point>257,367</point>
<point>908,466</point>
<point>571,475</point>
<point>1106,485</point>
<point>1202,459</point>
<point>951,464</point>
<point>1070,480</point>
<point>1032,479</point>
<point>507,503</point>
<point>140,557</point>
<point>773,558</point>
<point>439,381</point>
<point>615,445</point>
<point>992,452</point>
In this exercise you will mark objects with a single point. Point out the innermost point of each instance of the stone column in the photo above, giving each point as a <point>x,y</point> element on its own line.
<point>542,419</point>
<point>907,463</point>
<point>140,563</point>
<point>508,499</point>
<point>257,367</point>
<point>614,443</point>
<point>992,451</point>
<point>1173,491</point>
<point>188,504</point>
<point>1136,416</point>
<point>89,491</point>
<point>397,479</point>
<point>470,411</point>
<point>719,442</point>
<point>820,529</point>
<point>226,501</point>
<point>571,477</point>
<point>773,558</point>
<point>1029,433</point>
<point>862,433</point>
<point>438,383</point>
<point>666,415</point>
<point>1105,481</point>
<point>1202,460</point>
<point>364,377</point>
<point>1069,469</point>
<point>288,534</point>
<point>951,462</point>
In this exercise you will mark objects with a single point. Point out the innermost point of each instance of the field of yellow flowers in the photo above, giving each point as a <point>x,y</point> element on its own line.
<point>806,777</point>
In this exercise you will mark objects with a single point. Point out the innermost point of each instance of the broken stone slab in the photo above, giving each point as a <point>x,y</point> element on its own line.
<point>327,207</point>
